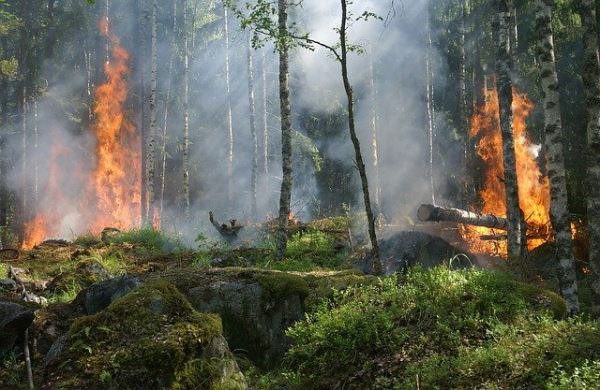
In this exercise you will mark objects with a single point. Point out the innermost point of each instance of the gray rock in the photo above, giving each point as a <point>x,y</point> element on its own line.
<point>14,320</point>
<point>8,285</point>
<point>98,296</point>
<point>253,321</point>
<point>56,349</point>
<point>409,248</point>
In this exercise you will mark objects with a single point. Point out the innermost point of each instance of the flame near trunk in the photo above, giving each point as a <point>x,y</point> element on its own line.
<point>116,180</point>
<point>534,192</point>
<point>111,194</point>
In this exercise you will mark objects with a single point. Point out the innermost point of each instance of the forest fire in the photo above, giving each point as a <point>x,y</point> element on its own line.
<point>115,183</point>
<point>111,194</point>
<point>534,193</point>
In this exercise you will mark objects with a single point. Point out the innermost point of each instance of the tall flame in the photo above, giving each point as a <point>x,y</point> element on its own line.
<point>534,192</point>
<point>115,183</point>
<point>111,194</point>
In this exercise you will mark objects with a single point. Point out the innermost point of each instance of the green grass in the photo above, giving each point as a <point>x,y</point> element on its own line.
<point>3,270</point>
<point>149,241</point>
<point>308,251</point>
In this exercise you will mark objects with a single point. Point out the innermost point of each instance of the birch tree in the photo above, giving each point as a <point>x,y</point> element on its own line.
<point>229,114</point>
<point>591,81</point>
<point>430,103</point>
<point>285,195</point>
<point>186,115</point>
<point>553,143</point>
<point>252,109</point>
<point>516,241</point>
<point>151,148</point>
<point>163,148</point>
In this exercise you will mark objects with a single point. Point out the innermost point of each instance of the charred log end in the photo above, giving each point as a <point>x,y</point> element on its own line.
<point>426,212</point>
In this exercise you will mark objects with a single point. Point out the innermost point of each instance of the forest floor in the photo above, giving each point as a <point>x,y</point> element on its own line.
<point>310,321</point>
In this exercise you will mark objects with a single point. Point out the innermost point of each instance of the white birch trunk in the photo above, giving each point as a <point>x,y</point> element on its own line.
<point>591,81</point>
<point>555,166</point>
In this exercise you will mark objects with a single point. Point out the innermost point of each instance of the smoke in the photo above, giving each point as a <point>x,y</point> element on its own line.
<point>64,154</point>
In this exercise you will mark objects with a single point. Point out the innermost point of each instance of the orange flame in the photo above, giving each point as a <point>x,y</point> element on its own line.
<point>534,192</point>
<point>112,194</point>
<point>115,183</point>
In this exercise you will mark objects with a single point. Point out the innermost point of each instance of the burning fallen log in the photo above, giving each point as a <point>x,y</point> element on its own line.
<point>227,231</point>
<point>431,213</point>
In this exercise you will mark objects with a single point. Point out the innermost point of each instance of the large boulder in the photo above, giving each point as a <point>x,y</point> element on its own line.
<point>409,248</point>
<point>14,320</point>
<point>257,306</point>
<point>151,338</point>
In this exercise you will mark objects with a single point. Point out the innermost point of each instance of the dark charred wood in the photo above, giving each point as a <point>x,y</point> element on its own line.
<point>108,233</point>
<point>227,231</point>
<point>55,243</point>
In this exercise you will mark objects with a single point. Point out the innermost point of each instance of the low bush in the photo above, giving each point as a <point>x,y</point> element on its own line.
<point>443,329</point>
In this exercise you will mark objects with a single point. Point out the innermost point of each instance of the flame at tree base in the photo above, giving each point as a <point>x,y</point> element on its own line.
<point>111,191</point>
<point>534,190</point>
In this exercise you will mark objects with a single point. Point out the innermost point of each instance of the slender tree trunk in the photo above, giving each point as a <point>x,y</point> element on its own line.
<point>591,82</point>
<point>463,109</point>
<point>252,107</point>
<point>24,154</point>
<point>141,65</point>
<point>286,129</point>
<point>357,152</point>
<point>163,148</point>
<point>151,148</point>
<point>514,35</point>
<point>265,123</point>
<point>555,165</point>
<point>375,135</point>
<point>230,154</point>
<point>186,117</point>
<point>516,242</point>
<point>88,81</point>
<point>429,80</point>
<point>36,166</point>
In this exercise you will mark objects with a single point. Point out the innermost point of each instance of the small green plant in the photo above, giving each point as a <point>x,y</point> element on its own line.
<point>67,294</point>
<point>113,262</point>
<point>585,377</point>
<point>202,260</point>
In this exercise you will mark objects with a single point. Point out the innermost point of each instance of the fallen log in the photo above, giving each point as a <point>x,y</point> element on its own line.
<point>431,213</point>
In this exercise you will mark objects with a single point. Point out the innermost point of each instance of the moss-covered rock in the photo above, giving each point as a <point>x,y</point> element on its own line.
<point>257,306</point>
<point>151,336</point>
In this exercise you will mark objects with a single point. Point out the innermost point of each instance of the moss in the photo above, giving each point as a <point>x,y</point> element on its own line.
<point>278,285</point>
<point>150,335</point>
<point>322,285</point>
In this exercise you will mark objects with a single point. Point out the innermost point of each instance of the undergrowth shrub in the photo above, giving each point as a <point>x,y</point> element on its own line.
<point>450,329</point>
